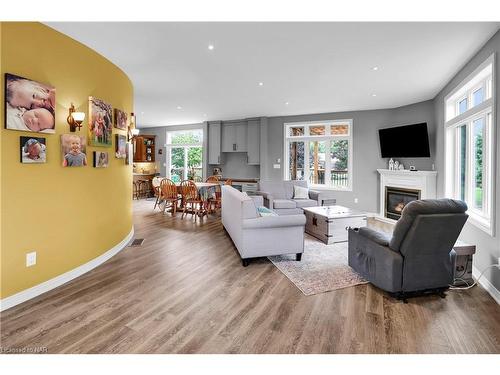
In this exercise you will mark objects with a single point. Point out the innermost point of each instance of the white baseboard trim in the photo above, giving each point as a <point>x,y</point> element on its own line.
<point>27,294</point>
<point>485,283</point>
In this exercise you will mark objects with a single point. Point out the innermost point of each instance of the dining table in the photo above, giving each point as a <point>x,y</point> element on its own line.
<point>206,190</point>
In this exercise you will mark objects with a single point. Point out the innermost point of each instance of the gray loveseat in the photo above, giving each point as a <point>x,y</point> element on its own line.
<point>419,257</point>
<point>278,196</point>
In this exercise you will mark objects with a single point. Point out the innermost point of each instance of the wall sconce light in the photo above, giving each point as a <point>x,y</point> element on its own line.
<point>75,119</point>
<point>132,130</point>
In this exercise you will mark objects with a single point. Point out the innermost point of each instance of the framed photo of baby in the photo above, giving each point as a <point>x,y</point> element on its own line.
<point>73,150</point>
<point>29,105</point>
<point>120,119</point>
<point>33,150</point>
<point>100,126</point>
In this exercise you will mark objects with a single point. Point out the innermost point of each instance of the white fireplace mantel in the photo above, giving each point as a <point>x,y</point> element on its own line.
<point>425,181</point>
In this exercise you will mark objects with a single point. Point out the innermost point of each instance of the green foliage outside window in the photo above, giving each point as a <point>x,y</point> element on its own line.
<point>194,154</point>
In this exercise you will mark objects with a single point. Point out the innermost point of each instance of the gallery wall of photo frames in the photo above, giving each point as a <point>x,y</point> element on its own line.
<point>30,107</point>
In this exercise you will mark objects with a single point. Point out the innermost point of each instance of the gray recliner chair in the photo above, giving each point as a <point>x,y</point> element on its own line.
<point>419,257</point>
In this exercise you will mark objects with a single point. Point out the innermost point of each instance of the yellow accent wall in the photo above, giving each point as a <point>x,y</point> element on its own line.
<point>68,215</point>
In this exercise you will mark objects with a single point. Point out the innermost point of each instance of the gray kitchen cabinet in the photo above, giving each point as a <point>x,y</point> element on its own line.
<point>214,143</point>
<point>234,137</point>
<point>241,137</point>
<point>228,137</point>
<point>253,142</point>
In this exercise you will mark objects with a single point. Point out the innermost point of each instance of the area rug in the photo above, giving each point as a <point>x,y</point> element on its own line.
<point>323,268</point>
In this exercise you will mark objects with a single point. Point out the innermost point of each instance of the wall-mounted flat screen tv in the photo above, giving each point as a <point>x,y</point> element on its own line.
<point>409,141</point>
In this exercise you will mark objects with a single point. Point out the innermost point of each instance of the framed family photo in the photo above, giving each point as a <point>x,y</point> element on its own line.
<point>130,154</point>
<point>29,105</point>
<point>73,150</point>
<point>101,159</point>
<point>100,127</point>
<point>121,146</point>
<point>120,119</point>
<point>33,150</point>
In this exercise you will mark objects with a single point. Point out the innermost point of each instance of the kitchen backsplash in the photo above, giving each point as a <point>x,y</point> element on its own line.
<point>235,166</point>
<point>141,167</point>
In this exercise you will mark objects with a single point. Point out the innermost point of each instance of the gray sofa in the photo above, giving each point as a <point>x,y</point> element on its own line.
<point>419,256</point>
<point>278,196</point>
<point>255,236</point>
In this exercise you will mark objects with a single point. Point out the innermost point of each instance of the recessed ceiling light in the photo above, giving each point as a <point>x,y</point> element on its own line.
<point>179,107</point>
<point>286,103</point>
<point>211,47</point>
<point>374,95</point>
<point>375,68</point>
<point>261,83</point>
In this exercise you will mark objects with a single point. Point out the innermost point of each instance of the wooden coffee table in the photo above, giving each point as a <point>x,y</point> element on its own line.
<point>329,223</point>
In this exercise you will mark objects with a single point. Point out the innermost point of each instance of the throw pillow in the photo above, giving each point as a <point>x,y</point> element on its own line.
<point>264,211</point>
<point>300,192</point>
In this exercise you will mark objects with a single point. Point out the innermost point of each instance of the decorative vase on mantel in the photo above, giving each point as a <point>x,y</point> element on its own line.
<point>391,165</point>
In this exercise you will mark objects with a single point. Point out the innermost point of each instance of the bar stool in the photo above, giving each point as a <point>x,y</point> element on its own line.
<point>142,188</point>
<point>135,190</point>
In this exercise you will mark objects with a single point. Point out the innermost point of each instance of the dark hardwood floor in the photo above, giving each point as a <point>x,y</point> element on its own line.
<point>185,291</point>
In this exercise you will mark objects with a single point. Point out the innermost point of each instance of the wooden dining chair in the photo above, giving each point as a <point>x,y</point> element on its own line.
<point>215,201</point>
<point>156,182</point>
<point>197,179</point>
<point>190,197</point>
<point>213,179</point>
<point>169,194</point>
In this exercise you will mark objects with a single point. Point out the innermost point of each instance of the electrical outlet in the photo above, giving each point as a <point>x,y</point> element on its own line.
<point>355,200</point>
<point>31,259</point>
<point>276,166</point>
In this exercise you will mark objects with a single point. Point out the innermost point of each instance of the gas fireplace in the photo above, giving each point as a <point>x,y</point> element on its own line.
<point>396,199</point>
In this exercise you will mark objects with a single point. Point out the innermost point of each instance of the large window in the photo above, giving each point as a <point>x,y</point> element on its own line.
<point>469,119</point>
<point>185,155</point>
<point>320,152</point>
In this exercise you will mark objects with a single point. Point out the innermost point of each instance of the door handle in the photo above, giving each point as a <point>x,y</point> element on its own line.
<point>234,146</point>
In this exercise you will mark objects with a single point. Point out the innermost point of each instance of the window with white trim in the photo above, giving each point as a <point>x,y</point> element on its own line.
<point>184,155</point>
<point>469,144</point>
<point>319,152</point>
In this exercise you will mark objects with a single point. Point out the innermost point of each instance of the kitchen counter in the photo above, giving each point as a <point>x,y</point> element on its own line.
<point>247,180</point>
<point>245,185</point>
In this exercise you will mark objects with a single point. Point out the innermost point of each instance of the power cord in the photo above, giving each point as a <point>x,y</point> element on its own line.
<point>475,282</point>
<point>464,271</point>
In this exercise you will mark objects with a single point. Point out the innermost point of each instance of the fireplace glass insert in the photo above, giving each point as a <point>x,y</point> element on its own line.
<point>396,199</point>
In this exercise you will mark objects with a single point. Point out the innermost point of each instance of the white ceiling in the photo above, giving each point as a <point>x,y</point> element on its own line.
<point>315,67</point>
